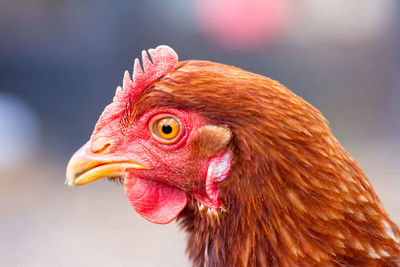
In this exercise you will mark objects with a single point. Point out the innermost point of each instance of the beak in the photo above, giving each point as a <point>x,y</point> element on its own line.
<point>85,167</point>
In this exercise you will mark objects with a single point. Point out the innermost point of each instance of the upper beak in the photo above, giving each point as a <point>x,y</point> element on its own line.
<point>85,167</point>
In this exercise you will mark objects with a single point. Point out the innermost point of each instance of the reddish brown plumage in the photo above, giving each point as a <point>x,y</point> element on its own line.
<point>253,172</point>
<point>294,197</point>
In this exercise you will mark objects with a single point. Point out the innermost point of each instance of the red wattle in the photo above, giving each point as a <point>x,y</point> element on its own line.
<point>156,202</point>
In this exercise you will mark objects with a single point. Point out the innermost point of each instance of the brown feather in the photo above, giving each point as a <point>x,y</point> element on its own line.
<point>209,140</point>
<point>295,196</point>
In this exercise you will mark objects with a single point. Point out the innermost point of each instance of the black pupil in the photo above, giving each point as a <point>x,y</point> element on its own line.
<point>167,129</point>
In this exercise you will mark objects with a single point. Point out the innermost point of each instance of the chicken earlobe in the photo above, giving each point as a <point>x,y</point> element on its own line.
<point>211,143</point>
<point>218,169</point>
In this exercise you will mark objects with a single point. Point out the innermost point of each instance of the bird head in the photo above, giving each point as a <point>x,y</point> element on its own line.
<point>197,132</point>
<point>163,154</point>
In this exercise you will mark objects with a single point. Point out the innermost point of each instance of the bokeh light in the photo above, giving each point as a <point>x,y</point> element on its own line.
<point>243,24</point>
<point>20,134</point>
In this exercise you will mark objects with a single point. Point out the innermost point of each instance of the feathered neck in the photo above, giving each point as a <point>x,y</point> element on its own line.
<point>294,196</point>
<point>298,223</point>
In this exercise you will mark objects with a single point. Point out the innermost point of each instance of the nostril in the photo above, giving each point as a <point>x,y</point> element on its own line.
<point>101,144</point>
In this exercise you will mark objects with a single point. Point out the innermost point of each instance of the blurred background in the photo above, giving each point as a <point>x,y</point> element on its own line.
<point>61,60</point>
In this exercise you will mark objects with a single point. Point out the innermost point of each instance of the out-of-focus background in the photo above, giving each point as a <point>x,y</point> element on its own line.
<point>61,60</point>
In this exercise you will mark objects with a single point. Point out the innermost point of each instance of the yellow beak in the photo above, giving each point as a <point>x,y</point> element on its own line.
<point>85,167</point>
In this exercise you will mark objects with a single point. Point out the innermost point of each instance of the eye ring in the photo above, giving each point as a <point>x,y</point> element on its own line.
<point>165,128</point>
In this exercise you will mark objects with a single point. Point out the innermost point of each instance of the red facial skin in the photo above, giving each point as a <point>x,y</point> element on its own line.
<point>160,192</point>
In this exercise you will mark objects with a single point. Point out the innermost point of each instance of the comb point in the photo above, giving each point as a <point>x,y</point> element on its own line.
<point>118,92</point>
<point>147,65</point>
<point>163,53</point>
<point>126,80</point>
<point>137,69</point>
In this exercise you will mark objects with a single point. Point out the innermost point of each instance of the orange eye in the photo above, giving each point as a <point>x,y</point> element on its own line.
<point>166,129</point>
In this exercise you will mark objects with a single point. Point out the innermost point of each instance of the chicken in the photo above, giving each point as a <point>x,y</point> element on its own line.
<point>250,170</point>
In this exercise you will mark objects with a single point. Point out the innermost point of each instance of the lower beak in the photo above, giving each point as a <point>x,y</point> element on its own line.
<point>85,167</point>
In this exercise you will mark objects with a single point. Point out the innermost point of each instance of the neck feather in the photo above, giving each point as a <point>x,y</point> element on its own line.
<point>283,217</point>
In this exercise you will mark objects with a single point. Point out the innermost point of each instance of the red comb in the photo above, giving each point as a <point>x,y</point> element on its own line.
<point>164,59</point>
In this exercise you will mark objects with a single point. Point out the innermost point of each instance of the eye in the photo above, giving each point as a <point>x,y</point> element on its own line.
<point>165,129</point>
